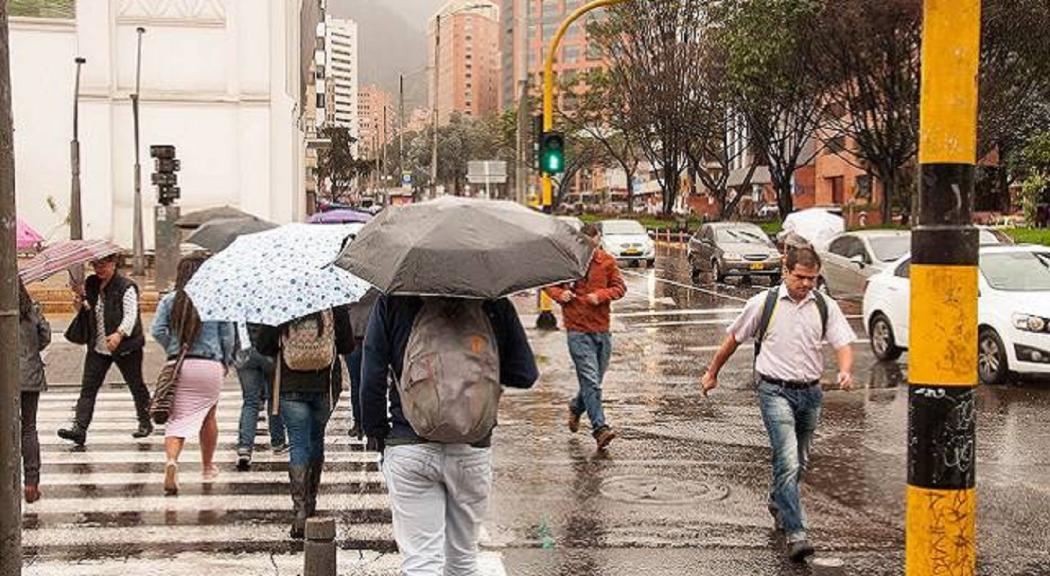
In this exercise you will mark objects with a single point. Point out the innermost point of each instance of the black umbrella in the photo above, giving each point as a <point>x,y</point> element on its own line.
<point>216,235</point>
<point>465,248</point>
<point>196,219</point>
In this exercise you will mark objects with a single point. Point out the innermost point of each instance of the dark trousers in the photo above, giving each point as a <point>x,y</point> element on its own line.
<point>353,367</point>
<point>95,368</point>
<point>30,440</point>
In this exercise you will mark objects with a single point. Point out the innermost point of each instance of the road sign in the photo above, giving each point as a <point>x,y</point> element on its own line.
<point>406,178</point>
<point>487,172</point>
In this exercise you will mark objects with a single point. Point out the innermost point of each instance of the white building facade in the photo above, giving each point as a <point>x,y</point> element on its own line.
<point>221,80</point>
<point>341,67</point>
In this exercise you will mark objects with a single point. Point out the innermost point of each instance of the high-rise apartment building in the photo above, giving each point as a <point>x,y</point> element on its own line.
<point>341,67</point>
<point>467,64</point>
<point>541,18</point>
<point>377,114</point>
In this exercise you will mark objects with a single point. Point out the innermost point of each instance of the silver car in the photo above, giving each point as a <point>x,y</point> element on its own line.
<point>852,257</point>
<point>733,249</point>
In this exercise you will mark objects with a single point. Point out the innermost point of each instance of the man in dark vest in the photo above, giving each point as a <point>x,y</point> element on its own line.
<point>109,305</point>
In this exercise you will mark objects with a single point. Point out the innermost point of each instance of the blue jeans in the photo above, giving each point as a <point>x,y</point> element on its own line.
<point>255,376</point>
<point>790,417</point>
<point>306,416</point>
<point>590,353</point>
<point>353,367</point>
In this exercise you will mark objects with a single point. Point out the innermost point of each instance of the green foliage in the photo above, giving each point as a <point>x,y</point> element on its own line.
<point>337,168</point>
<point>1029,235</point>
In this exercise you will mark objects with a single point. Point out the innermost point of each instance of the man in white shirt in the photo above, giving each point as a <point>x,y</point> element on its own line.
<point>789,326</point>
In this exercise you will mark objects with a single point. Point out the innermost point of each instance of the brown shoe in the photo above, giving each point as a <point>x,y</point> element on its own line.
<point>32,493</point>
<point>171,479</point>
<point>604,436</point>
<point>574,421</point>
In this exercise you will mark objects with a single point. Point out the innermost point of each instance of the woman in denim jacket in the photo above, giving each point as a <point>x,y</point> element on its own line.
<point>210,349</point>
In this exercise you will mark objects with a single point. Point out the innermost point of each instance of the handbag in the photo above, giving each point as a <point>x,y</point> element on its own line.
<point>79,330</point>
<point>164,394</point>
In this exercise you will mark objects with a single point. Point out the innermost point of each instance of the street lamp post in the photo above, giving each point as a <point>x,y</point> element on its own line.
<point>139,263</point>
<point>546,319</point>
<point>76,216</point>
<point>437,95</point>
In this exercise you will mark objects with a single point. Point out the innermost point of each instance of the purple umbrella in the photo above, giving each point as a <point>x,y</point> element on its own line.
<point>27,237</point>
<point>341,216</point>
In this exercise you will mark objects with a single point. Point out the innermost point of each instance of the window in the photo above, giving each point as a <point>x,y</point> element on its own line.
<point>320,100</point>
<point>840,246</point>
<point>863,184</point>
<point>903,270</point>
<point>836,145</point>
<point>836,189</point>
<point>58,9</point>
<point>571,54</point>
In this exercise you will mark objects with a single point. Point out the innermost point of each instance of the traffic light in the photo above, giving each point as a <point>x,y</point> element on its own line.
<point>165,165</point>
<point>552,153</point>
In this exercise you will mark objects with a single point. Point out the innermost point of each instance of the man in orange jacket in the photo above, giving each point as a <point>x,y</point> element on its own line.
<point>585,308</point>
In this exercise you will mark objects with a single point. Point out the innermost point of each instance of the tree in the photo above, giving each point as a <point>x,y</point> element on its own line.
<point>772,90</point>
<point>654,50</point>
<point>337,166</point>
<point>1014,82</point>
<point>599,116</point>
<point>867,56</point>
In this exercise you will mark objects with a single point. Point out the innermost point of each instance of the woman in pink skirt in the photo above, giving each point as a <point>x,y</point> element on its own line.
<point>209,353</point>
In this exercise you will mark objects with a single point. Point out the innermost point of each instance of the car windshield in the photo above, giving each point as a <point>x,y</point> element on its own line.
<point>622,227</point>
<point>889,248</point>
<point>742,236</point>
<point>1021,271</point>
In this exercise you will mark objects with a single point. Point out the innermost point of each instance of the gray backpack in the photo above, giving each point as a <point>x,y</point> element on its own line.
<point>449,385</point>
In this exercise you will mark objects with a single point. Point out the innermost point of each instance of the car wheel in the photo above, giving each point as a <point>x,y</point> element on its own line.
<point>992,365</point>
<point>716,271</point>
<point>650,262</point>
<point>883,342</point>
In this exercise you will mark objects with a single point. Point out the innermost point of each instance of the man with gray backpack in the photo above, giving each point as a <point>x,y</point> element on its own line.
<point>789,323</point>
<point>449,358</point>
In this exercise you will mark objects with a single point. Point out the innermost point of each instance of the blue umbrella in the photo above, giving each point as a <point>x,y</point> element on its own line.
<point>276,276</point>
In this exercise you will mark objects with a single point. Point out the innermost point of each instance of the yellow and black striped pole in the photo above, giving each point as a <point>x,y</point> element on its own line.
<point>941,495</point>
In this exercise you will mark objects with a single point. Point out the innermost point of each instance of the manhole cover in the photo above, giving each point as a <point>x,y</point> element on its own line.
<point>661,490</point>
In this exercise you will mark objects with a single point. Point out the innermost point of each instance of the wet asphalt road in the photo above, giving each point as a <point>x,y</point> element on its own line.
<point>682,491</point>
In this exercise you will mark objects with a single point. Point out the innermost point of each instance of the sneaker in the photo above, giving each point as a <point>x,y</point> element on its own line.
<point>281,448</point>
<point>76,435</point>
<point>244,462</point>
<point>574,421</point>
<point>145,429</point>
<point>32,493</point>
<point>171,479</point>
<point>799,550</point>
<point>603,436</point>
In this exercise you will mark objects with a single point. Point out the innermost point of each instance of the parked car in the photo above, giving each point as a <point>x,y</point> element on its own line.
<point>850,258</point>
<point>733,249</point>
<point>627,240</point>
<point>1013,311</point>
<point>573,221</point>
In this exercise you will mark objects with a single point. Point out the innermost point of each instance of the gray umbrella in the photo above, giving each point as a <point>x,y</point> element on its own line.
<point>196,219</point>
<point>465,248</point>
<point>216,235</point>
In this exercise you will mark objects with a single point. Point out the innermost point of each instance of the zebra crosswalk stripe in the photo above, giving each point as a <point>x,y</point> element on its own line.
<point>104,504</point>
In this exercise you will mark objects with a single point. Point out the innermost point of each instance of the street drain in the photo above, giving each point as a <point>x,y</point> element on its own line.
<point>661,490</point>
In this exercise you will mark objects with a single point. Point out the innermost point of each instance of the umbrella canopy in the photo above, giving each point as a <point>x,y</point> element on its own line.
<point>465,248</point>
<point>196,219</point>
<point>216,235</point>
<point>815,225</point>
<point>275,276</point>
<point>341,216</point>
<point>27,237</point>
<point>65,255</point>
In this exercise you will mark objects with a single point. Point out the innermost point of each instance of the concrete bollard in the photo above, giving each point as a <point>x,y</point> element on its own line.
<point>319,547</point>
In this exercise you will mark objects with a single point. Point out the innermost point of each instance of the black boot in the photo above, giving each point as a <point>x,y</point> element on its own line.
<point>313,482</point>
<point>297,477</point>
<point>76,434</point>
<point>145,429</point>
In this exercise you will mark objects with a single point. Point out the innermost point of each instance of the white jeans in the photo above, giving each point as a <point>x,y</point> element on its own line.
<point>438,496</point>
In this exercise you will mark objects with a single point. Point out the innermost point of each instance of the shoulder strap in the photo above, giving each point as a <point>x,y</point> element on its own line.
<point>770,306</point>
<point>822,307</point>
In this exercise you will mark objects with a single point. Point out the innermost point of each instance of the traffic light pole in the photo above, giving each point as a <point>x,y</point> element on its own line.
<point>940,529</point>
<point>546,319</point>
<point>10,430</point>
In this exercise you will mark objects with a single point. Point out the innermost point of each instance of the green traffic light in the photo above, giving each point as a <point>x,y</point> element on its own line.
<point>552,153</point>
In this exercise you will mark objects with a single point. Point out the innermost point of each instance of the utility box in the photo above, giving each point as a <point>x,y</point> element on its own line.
<point>168,238</point>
